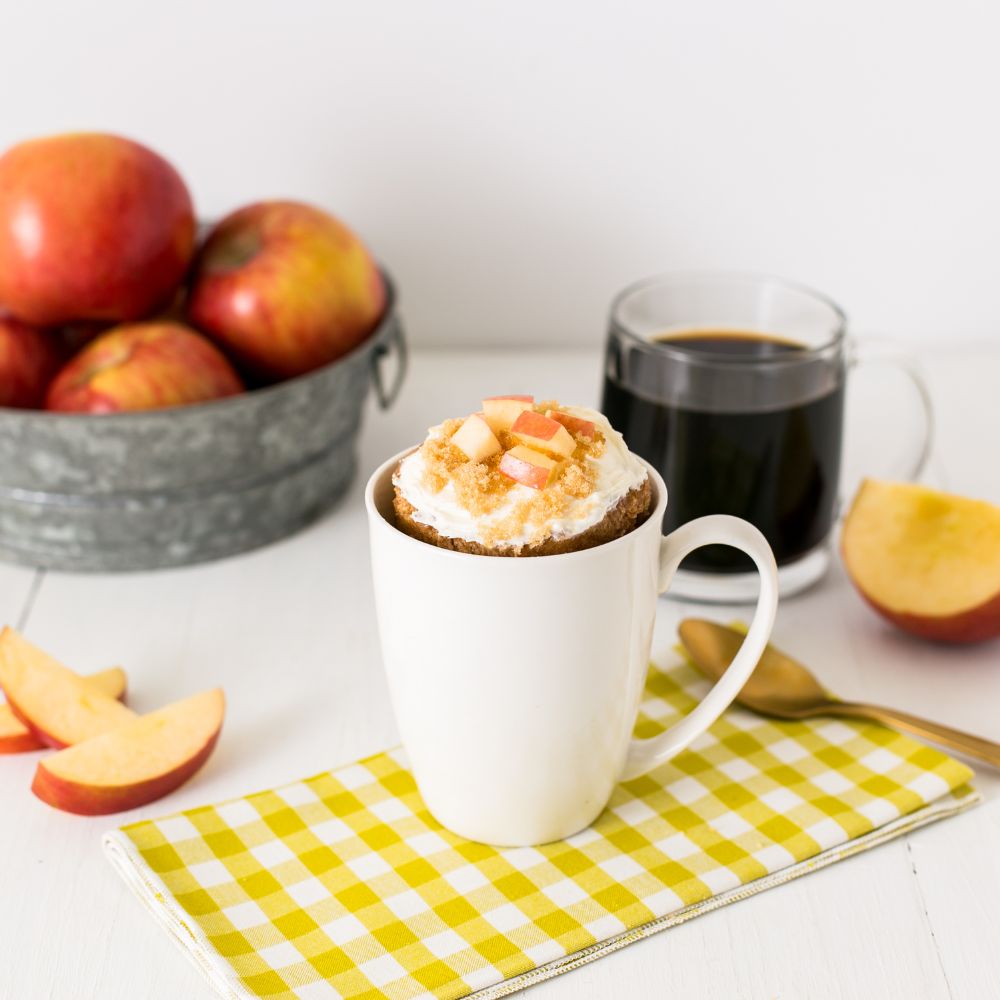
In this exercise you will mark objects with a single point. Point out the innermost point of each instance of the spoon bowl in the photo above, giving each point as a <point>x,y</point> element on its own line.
<point>784,688</point>
<point>778,686</point>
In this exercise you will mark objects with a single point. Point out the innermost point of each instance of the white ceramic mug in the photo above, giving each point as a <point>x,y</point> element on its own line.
<point>516,682</point>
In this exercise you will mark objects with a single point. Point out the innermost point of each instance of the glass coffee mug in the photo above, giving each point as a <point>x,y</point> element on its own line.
<point>516,682</point>
<point>733,387</point>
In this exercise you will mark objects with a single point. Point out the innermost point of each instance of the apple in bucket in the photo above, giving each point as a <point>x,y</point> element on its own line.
<point>29,357</point>
<point>143,366</point>
<point>92,227</point>
<point>284,288</point>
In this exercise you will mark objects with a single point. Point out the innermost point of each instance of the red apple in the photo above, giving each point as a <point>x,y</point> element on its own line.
<point>927,561</point>
<point>531,468</point>
<point>29,357</point>
<point>16,737</point>
<point>537,431</point>
<point>285,288</point>
<point>143,366</point>
<point>92,226</point>
<point>138,762</point>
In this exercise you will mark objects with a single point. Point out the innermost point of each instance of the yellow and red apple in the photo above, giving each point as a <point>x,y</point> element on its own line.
<point>927,561</point>
<point>528,467</point>
<point>92,227</point>
<point>29,357</point>
<point>543,433</point>
<point>16,737</point>
<point>500,412</point>
<point>285,288</point>
<point>475,439</point>
<point>143,366</point>
<point>135,763</point>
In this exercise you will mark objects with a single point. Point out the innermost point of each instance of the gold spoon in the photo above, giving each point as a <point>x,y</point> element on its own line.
<point>784,688</point>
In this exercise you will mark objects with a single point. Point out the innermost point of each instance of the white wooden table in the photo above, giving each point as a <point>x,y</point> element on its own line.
<point>289,631</point>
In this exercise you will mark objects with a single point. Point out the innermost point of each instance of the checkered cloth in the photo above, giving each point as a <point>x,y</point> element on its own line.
<point>343,885</point>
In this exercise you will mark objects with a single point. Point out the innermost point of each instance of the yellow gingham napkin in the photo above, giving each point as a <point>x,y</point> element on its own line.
<point>343,885</point>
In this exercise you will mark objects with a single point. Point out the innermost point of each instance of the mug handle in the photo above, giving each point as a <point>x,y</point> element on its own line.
<point>872,352</point>
<point>715,529</point>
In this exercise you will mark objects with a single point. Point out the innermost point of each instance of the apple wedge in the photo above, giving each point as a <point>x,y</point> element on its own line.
<point>927,561</point>
<point>16,737</point>
<point>58,706</point>
<point>139,762</point>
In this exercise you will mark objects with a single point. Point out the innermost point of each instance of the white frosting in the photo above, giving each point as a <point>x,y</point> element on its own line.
<point>618,471</point>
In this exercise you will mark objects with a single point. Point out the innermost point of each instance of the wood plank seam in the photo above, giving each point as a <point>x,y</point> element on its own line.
<point>927,918</point>
<point>29,600</point>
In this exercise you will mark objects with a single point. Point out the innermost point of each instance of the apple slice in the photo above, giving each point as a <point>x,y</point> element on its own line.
<point>536,431</point>
<point>575,425</point>
<point>16,737</point>
<point>500,412</point>
<point>927,561</point>
<point>475,439</point>
<point>528,467</point>
<point>59,707</point>
<point>138,762</point>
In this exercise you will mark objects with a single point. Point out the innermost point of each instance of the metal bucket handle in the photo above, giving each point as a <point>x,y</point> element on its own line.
<point>394,341</point>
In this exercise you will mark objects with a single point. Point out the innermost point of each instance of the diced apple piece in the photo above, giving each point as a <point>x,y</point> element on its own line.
<point>528,467</point>
<point>138,762</point>
<point>929,562</point>
<point>536,431</point>
<point>500,412</point>
<point>475,439</point>
<point>575,425</point>
<point>16,737</point>
<point>59,707</point>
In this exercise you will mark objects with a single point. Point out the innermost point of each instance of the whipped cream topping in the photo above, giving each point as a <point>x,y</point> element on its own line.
<point>617,472</point>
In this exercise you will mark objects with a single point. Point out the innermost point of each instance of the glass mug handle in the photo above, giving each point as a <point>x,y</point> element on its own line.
<point>715,529</point>
<point>872,352</point>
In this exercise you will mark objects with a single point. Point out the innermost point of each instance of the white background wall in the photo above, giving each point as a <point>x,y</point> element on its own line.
<point>516,163</point>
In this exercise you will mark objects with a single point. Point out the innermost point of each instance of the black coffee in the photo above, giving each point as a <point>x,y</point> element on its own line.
<point>775,466</point>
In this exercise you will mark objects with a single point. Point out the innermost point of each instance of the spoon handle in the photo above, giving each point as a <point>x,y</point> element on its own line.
<point>974,746</point>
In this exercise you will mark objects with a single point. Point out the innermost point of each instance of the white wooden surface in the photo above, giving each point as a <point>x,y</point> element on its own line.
<point>289,631</point>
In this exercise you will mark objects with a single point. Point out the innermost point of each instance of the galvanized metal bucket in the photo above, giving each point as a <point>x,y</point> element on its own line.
<point>159,488</point>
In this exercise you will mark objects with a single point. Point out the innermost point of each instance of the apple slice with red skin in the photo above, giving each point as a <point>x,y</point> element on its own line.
<point>530,468</point>
<point>927,561</point>
<point>58,706</point>
<point>543,433</point>
<point>575,425</point>
<point>16,737</point>
<point>139,762</point>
